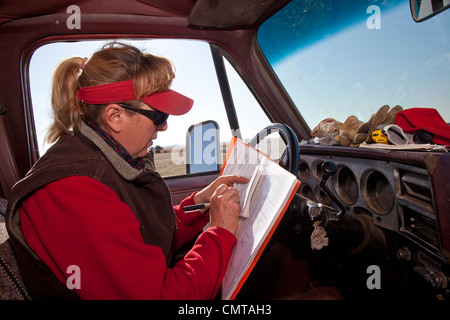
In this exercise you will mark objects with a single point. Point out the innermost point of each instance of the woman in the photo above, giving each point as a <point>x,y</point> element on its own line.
<point>92,219</point>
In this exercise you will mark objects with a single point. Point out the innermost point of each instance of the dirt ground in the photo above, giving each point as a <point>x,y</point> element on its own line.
<point>166,166</point>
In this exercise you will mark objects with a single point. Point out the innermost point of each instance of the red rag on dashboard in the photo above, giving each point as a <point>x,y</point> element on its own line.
<point>428,119</point>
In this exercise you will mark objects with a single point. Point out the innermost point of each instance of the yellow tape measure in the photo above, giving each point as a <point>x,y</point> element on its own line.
<point>379,137</point>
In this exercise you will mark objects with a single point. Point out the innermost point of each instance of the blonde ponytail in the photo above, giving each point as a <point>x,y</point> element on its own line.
<point>65,105</point>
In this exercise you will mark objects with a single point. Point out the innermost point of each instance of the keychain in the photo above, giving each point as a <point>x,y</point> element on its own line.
<point>318,237</point>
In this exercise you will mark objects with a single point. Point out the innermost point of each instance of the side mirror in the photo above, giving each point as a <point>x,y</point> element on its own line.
<point>421,10</point>
<point>203,147</point>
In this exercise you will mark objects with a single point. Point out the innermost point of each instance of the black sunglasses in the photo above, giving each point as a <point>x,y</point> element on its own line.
<point>159,118</point>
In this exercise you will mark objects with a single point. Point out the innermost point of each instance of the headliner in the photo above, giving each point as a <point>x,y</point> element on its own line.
<point>200,13</point>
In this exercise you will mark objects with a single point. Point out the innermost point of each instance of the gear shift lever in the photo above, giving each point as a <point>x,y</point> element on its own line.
<point>329,168</point>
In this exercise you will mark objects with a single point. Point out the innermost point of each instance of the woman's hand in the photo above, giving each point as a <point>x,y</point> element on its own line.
<point>224,202</point>
<point>205,195</point>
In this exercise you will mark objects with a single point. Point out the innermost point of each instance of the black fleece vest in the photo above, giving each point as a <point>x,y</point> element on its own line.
<point>87,154</point>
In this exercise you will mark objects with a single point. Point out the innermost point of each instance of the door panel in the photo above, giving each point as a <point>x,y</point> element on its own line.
<point>182,187</point>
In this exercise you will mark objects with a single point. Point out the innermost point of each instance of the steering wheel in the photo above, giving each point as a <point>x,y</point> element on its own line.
<point>289,160</point>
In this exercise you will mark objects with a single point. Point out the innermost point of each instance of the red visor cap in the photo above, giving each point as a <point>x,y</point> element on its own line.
<point>170,101</point>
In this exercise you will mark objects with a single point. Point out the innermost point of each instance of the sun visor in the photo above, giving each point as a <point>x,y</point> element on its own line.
<point>170,101</point>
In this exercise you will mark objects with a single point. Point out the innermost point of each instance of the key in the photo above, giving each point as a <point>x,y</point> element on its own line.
<point>318,237</point>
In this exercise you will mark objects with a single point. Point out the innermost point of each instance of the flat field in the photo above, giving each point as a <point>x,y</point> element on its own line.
<point>165,166</point>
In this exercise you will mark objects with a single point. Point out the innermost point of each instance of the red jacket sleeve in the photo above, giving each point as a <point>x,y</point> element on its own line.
<point>79,221</point>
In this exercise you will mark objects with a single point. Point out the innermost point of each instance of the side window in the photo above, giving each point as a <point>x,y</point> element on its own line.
<point>195,77</point>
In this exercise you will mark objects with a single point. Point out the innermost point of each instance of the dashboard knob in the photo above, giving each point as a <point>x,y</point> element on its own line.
<point>329,168</point>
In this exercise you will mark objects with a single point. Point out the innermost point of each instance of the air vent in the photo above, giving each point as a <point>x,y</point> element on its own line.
<point>415,207</point>
<point>416,188</point>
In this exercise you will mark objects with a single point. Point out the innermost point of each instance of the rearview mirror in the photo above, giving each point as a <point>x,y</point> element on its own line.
<point>423,9</point>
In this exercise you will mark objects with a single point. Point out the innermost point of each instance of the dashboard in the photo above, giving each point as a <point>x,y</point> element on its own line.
<point>399,198</point>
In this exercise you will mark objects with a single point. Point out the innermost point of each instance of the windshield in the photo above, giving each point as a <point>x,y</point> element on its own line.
<point>338,58</point>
